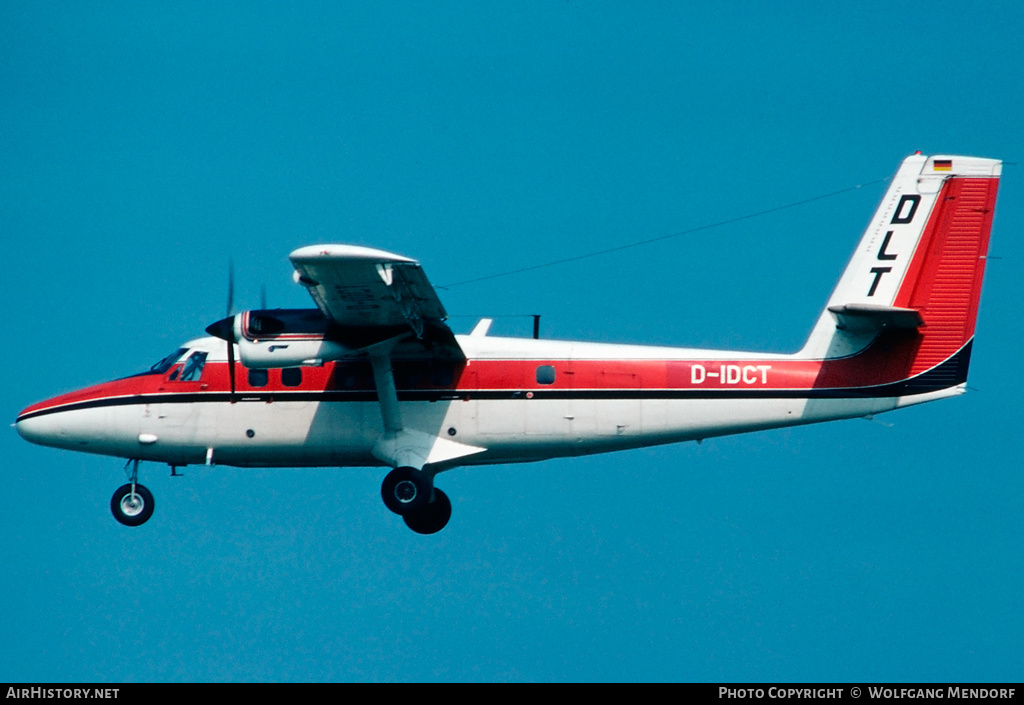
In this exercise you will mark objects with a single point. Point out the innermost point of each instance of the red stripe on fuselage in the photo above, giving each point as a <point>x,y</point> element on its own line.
<point>870,368</point>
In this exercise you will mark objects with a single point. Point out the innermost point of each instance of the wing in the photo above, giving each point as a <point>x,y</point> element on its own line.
<point>371,294</point>
<point>381,304</point>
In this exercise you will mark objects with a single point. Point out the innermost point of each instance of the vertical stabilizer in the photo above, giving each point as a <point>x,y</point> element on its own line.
<point>919,265</point>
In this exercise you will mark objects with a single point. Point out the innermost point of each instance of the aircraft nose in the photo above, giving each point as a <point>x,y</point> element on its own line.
<point>35,429</point>
<point>78,420</point>
<point>44,423</point>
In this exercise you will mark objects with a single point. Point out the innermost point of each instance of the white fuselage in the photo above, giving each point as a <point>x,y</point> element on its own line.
<point>617,404</point>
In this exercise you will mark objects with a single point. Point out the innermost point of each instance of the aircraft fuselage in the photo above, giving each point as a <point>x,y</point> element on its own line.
<point>520,399</point>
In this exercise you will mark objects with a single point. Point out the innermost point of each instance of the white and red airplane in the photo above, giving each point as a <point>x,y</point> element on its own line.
<point>374,377</point>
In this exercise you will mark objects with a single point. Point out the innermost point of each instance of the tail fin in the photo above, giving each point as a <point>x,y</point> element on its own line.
<point>918,266</point>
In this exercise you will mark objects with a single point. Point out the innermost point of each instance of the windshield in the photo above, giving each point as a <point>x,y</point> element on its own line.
<point>165,364</point>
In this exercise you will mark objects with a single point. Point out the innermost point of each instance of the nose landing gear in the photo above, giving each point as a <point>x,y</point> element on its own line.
<point>132,504</point>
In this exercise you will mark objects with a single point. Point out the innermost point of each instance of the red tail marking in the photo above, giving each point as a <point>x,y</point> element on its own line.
<point>944,279</point>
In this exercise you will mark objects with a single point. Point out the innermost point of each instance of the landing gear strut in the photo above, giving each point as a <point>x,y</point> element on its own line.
<point>411,494</point>
<point>132,504</point>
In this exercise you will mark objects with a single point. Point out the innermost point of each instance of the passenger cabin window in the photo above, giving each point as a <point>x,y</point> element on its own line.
<point>546,374</point>
<point>258,378</point>
<point>193,367</point>
<point>291,376</point>
<point>442,374</point>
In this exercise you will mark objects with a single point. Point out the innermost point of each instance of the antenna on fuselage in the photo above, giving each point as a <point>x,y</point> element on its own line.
<point>536,326</point>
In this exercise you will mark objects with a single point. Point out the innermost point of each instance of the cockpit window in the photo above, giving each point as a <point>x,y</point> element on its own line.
<point>165,364</point>
<point>193,368</point>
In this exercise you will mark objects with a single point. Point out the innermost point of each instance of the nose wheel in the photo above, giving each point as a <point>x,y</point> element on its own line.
<point>411,494</point>
<point>132,504</point>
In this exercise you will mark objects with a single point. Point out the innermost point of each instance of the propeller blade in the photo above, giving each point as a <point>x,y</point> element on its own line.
<point>231,370</point>
<point>225,327</point>
<point>225,330</point>
<point>231,287</point>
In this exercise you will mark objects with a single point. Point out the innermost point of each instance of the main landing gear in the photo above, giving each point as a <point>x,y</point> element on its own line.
<point>132,504</point>
<point>411,494</point>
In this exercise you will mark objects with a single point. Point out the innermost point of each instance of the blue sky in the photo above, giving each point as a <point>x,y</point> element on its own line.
<point>145,146</point>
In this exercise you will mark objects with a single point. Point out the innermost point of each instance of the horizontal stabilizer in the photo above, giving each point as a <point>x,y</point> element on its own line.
<point>872,318</point>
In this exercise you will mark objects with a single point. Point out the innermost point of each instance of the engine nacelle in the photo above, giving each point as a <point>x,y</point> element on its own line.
<point>286,338</point>
<point>295,337</point>
<point>261,354</point>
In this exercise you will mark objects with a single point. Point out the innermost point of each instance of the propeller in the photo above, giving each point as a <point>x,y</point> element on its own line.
<point>225,328</point>
<point>230,310</point>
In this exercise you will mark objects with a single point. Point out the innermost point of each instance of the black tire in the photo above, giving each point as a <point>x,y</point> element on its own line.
<point>405,490</point>
<point>433,517</point>
<point>132,512</point>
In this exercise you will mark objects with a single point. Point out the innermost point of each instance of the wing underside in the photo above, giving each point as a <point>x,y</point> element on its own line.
<point>372,294</point>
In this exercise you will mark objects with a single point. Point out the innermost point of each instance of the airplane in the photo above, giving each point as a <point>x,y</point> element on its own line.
<point>373,376</point>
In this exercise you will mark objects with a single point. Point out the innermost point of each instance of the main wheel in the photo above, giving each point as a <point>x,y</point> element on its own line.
<point>132,509</point>
<point>405,490</point>
<point>433,517</point>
